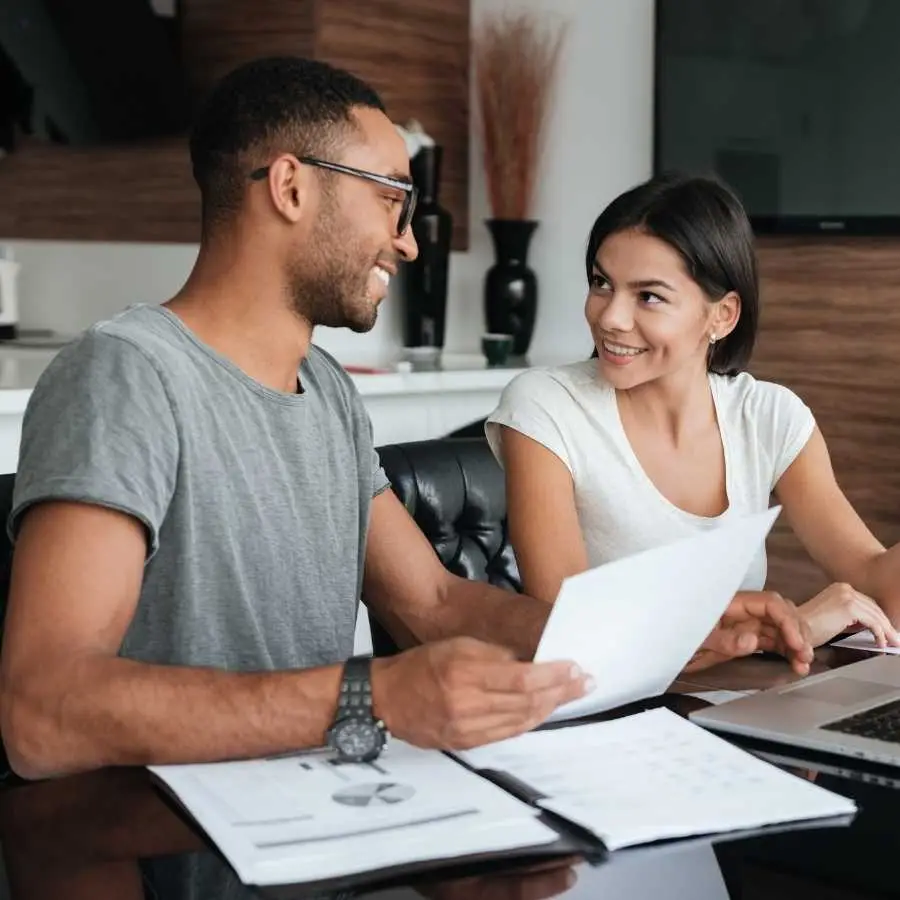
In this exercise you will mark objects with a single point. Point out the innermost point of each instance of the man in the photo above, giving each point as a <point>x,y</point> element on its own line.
<point>195,520</point>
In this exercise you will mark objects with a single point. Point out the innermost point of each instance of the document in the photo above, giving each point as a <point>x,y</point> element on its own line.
<point>864,640</point>
<point>653,776</point>
<point>308,817</point>
<point>633,624</point>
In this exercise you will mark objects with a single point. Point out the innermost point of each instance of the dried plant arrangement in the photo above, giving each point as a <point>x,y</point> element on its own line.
<point>516,58</point>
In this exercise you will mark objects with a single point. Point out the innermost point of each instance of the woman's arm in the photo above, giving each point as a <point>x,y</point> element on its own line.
<point>832,532</point>
<point>543,520</point>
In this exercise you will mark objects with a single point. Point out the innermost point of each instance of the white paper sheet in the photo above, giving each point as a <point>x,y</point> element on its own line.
<point>307,817</point>
<point>653,776</point>
<point>864,640</point>
<point>633,624</point>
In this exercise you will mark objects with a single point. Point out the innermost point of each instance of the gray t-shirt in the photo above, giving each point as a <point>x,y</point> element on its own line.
<point>255,502</point>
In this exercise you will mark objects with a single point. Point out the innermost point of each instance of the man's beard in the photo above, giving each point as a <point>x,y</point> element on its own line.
<point>328,283</point>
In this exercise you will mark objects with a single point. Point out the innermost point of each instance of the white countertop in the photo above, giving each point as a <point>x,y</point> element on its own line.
<point>21,367</point>
<point>19,372</point>
<point>458,372</point>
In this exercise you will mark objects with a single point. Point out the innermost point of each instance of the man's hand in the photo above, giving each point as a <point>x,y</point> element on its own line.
<point>839,607</point>
<point>462,693</point>
<point>757,620</point>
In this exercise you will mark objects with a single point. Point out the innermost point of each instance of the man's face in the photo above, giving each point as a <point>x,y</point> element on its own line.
<point>341,271</point>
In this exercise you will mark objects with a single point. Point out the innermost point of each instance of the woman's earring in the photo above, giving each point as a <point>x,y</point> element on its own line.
<point>712,338</point>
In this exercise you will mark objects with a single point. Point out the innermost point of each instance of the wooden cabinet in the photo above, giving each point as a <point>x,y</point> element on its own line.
<point>414,52</point>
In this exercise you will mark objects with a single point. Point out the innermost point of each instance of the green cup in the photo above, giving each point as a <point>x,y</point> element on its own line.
<point>496,348</point>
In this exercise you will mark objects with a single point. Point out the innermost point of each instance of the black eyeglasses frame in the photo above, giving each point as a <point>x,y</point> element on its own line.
<point>410,192</point>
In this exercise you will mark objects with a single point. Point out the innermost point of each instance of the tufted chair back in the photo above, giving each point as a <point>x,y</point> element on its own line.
<point>454,489</point>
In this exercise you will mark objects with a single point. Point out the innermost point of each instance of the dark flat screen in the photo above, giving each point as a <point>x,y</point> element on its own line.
<point>795,103</point>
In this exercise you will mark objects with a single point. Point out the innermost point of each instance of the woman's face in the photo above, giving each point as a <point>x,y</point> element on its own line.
<point>648,317</point>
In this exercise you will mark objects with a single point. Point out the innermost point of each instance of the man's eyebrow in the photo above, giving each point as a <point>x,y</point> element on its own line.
<point>397,175</point>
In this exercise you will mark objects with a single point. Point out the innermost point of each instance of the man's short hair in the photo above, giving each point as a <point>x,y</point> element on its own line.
<point>265,107</point>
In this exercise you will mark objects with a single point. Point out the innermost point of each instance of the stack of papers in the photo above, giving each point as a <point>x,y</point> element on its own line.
<point>654,776</point>
<point>308,817</point>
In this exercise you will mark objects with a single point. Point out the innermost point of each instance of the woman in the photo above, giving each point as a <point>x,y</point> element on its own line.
<point>661,433</point>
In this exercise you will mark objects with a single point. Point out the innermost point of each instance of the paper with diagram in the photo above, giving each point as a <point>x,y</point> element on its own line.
<point>308,816</point>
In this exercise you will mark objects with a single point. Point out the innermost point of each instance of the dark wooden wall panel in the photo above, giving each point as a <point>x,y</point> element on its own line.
<point>414,51</point>
<point>419,63</point>
<point>136,193</point>
<point>220,35</point>
<point>830,330</point>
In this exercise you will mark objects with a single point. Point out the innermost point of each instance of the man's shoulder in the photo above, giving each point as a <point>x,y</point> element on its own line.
<point>331,377</point>
<point>323,361</point>
<point>143,330</point>
<point>118,357</point>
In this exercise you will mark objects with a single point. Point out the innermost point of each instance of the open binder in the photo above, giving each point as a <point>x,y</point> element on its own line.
<point>569,788</point>
<point>473,810</point>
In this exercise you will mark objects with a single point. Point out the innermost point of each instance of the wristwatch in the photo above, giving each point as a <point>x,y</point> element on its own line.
<point>356,735</point>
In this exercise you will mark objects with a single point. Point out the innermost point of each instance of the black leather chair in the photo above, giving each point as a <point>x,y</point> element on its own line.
<point>455,491</point>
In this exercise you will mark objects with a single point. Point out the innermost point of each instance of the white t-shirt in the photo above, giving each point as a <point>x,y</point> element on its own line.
<point>574,414</point>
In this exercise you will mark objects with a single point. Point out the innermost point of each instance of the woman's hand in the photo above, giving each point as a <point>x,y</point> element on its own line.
<point>839,607</point>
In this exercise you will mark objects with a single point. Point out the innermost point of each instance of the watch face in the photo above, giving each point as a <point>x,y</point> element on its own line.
<point>357,739</point>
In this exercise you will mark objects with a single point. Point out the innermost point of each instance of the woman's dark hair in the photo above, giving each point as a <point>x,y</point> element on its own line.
<point>705,223</point>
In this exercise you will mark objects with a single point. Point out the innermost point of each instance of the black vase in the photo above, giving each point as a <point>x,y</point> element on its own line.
<point>510,287</point>
<point>425,279</point>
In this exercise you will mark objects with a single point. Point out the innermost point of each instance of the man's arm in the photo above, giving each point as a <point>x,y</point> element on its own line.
<point>70,703</point>
<point>418,600</point>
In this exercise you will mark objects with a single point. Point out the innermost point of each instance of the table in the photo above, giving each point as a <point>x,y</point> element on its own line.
<point>113,834</point>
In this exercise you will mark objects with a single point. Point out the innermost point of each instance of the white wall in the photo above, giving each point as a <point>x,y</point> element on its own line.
<point>600,144</point>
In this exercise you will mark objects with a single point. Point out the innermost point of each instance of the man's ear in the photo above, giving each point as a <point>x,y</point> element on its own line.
<point>289,185</point>
<point>726,314</point>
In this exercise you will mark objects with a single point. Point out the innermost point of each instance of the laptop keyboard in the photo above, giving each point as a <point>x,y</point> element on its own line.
<point>881,723</point>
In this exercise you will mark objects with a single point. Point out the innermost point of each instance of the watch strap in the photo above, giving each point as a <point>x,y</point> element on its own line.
<point>355,697</point>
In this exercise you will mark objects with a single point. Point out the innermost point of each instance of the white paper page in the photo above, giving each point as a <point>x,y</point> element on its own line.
<point>633,624</point>
<point>307,817</point>
<point>480,833</point>
<point>653,776</point>
<point>864,640</point>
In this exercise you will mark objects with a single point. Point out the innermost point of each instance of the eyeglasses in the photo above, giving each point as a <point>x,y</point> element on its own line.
<point>410,192</point>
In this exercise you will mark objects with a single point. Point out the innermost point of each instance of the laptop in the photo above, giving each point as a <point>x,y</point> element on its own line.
<point>851,711</point>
